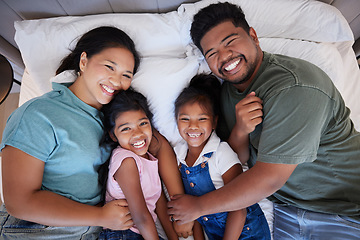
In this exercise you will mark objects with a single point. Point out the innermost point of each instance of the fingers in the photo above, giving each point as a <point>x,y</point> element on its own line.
<point>121,202</point>
<point>127,224</point>
<point>186,234</point>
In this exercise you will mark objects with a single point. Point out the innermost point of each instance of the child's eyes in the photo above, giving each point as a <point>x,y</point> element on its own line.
<point>144,123</point>
<point>184,119</point>
<point>125,129</point>
<point>203,119</point>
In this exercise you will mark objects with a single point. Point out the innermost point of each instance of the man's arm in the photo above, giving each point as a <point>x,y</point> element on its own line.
<point>262,180</point>
<point>248,115</point>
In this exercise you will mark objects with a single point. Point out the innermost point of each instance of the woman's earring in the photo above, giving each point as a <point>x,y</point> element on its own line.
<point>79,73</point>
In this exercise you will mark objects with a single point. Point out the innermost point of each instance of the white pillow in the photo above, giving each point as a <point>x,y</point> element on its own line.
<point>296,19</point>
<point>44,43</point>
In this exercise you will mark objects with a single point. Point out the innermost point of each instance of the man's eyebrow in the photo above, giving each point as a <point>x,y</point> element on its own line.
<point>233,34</point>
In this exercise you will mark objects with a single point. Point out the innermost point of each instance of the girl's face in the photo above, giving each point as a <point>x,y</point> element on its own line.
<point>195,124</point>
<point>133,131</point>
<point>103,75</point>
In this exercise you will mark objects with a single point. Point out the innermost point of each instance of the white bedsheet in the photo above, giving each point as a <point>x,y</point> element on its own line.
<point>306,29</point>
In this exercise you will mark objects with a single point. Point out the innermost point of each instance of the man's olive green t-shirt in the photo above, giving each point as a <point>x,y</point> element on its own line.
<point>305,122</point>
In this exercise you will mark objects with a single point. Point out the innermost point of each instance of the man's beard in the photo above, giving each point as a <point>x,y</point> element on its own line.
<point>249,71</point>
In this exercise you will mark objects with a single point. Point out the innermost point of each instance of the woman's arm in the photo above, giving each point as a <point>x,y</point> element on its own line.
<point>22,178</point>
<point>161,211</point>
<point>236,219</point>
<point>127,176</point>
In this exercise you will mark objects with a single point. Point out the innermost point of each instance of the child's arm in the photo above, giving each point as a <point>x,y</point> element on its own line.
<point>161,211</point>
<point>168,169</point>
<point>198,231</point>
<point>248,116</point>
<point>236,219</point>
<point>127,176</point>
<point>170,175</point>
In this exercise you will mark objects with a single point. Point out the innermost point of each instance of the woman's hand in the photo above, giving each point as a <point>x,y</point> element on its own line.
<point>116,215</point>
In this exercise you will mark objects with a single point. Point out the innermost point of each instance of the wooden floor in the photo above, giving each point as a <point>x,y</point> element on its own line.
<point>6,108</point>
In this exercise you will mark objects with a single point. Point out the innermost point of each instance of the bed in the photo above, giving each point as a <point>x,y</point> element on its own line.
<point>310,30</point>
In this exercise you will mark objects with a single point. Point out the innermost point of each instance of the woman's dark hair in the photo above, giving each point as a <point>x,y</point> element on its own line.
<point>124,101</point>
<point>203,89</point>
<point>95,41</point>
<point>214,14</point>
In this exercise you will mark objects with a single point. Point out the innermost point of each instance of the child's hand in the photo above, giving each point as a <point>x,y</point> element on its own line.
<point>248,113</point>
<point>156,142</point>
<point>184,230</point>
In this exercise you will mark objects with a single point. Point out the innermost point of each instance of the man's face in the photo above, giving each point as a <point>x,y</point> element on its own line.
<point>231,53</point>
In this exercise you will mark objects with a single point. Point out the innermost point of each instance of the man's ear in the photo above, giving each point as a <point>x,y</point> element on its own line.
<point>253,35</point>
<point>112,136</point>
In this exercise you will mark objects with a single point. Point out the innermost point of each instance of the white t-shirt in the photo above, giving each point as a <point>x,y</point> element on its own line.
<point>222,159</point>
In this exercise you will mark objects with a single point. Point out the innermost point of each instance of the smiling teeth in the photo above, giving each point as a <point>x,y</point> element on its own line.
<point>232,66</point>
<point>139,144</point>
<point>194,135</point>
<point>108,89</point>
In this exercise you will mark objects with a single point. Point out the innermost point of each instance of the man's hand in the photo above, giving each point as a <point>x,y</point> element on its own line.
<point>184,208</point>
<point>248,113</point>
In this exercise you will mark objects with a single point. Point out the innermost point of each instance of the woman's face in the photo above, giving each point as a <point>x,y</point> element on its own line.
<point>104,75</point>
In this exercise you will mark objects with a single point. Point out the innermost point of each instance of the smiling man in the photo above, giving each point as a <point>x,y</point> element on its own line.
<point>304,153</point>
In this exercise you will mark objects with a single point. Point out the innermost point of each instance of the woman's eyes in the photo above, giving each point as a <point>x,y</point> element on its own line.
<point>127,76</point>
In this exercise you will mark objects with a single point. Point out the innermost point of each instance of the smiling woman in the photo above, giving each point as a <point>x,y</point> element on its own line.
<point>103,75</point>
<point>45,135</point>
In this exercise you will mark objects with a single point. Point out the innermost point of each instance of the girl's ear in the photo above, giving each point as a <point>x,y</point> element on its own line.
<point>215,122</point>
<point>112,136</point>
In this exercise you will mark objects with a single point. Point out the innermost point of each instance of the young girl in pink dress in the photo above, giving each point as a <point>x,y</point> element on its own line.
<point>133,171</point>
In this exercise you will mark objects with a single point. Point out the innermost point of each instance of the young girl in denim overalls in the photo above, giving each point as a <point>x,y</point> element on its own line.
<point>206,163</point>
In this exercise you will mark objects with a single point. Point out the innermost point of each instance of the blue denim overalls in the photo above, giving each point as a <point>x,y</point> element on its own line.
<point>197,181</point>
